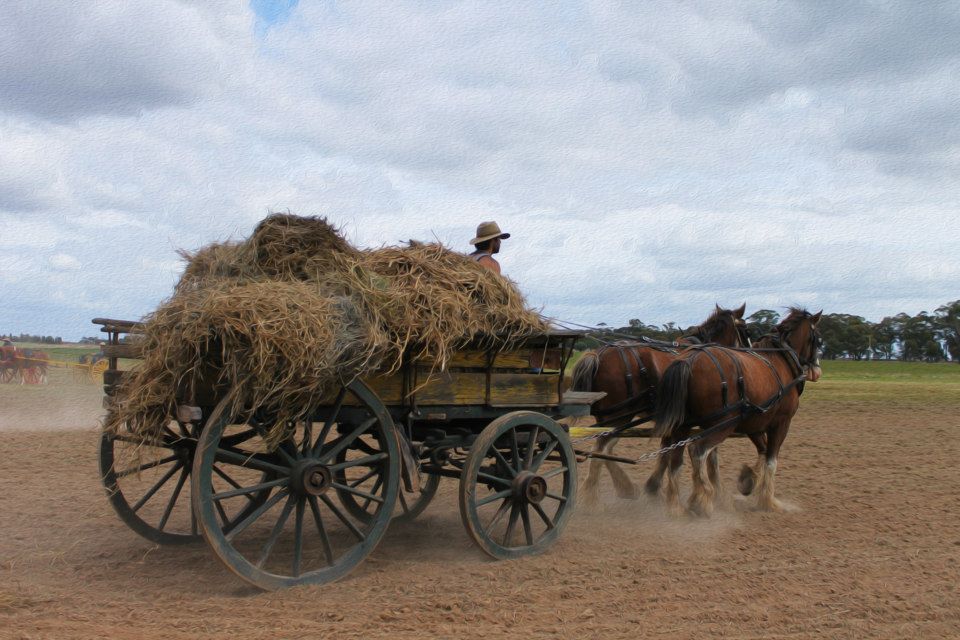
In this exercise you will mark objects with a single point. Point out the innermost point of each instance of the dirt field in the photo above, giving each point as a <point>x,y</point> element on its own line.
<point>871,549</point>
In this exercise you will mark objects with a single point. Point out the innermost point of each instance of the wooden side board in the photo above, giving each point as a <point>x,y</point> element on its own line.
<point>465,388</point>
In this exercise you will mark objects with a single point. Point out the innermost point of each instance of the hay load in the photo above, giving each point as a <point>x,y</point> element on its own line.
<point>293,310</point>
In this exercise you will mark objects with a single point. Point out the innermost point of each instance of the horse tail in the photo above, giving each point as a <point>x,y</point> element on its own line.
<point>584,372</point>
<point>671,407</point>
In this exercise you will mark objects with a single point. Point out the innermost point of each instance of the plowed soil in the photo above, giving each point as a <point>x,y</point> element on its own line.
<point>870,548</point>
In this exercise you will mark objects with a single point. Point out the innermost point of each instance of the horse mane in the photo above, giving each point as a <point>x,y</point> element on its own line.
<point>793,320</point>
<point>712,323</point>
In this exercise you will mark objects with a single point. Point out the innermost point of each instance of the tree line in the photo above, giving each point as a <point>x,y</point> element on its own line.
<point>929,337</point>
<point>26,337</point>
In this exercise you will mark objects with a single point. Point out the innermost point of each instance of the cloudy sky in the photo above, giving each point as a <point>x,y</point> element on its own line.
<point>650,158</point>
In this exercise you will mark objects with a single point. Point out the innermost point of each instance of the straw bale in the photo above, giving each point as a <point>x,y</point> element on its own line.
<point>294,309</point>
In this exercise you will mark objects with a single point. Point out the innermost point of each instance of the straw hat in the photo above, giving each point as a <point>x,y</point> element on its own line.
<point>488,231</point>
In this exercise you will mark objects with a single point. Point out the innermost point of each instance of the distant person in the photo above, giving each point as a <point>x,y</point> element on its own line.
<point>486,244</point>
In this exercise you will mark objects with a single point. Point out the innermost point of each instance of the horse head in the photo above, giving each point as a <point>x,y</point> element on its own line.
<point>726,327</point>
<point>799,331</point>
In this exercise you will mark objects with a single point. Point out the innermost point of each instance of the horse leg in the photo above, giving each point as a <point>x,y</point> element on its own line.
<point>591,486</point>
<point>776,433</point>
<point>750,476</point>
<point>671,493</point>
<point>652,486</point>
<point>713,474</point>
<point>701,498</point>
<point>621,481</point>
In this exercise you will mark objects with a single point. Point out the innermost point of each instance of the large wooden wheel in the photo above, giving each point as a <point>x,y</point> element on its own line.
<point>519,485</point>
<point>301,534</point>
<point>147,482</point>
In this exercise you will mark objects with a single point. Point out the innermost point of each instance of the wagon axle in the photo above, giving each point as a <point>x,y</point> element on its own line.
<point>529,487</point>
<point>311,478</point>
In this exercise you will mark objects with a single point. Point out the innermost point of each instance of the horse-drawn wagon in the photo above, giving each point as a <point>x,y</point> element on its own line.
<point>307,503</point>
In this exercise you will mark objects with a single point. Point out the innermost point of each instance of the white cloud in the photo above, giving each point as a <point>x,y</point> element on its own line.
<point>650,159</point>
<point>65,262</point>
<point>60,61</point>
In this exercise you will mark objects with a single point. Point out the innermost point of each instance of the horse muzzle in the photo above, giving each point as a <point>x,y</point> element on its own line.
<point>813,373</point>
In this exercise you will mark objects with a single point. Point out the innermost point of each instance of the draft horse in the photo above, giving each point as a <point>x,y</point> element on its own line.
<point>767,379</point>
<point>629,373</point>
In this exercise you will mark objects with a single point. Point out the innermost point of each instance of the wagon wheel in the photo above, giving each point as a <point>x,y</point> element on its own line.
<point>410,504</point>
<point>146,482</point>
<point>518,486</point>
<point>7,374</point>
<point>300,535</point>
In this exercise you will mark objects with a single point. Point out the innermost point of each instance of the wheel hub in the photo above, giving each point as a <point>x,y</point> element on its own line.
<point>530,487</point>
<point>313,478</point>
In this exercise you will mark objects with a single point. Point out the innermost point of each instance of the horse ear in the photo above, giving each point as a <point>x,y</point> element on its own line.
<point>717,306</point>
<point>740,311</point>
<point>815,319</point>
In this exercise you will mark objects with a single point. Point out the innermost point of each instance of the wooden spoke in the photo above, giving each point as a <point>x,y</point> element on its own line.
<point>250,461</point>
<point>531,446</point>
<point>306,446</point>
<point>494,479</point>
<point>357,492</point>
<point>336,511</point>
<point>501,511</point>
<point>547,450</point>
<point>246,491</point>
<point>515,448</point>
<point>506,464</point>
<point>376,486</point>
<point>298,537</point>
<point>359,462</point>
<point>493,497</point>
<point>344,441</point>
<point>331,419</point>
<point>527,530</point>
<point>277,530</point>
<point>514,514</point>
<point>359,481</point>
<point>553,472</point>
<point>255,514</point>
<point>238,438</point>
<point>162,481</point>
<point>144,467</point>
<point>543,516</point>
<point>327,551</point>
<point>173,499</point>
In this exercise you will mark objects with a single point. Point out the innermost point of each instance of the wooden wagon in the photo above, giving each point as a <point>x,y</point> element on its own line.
<point>311,507</point>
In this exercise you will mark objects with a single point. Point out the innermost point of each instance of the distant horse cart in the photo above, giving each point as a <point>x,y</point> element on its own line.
<point>23,366</point>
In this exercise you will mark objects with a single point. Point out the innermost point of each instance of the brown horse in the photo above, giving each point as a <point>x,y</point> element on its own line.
<point>766,381</point>
<point>629,372</point>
